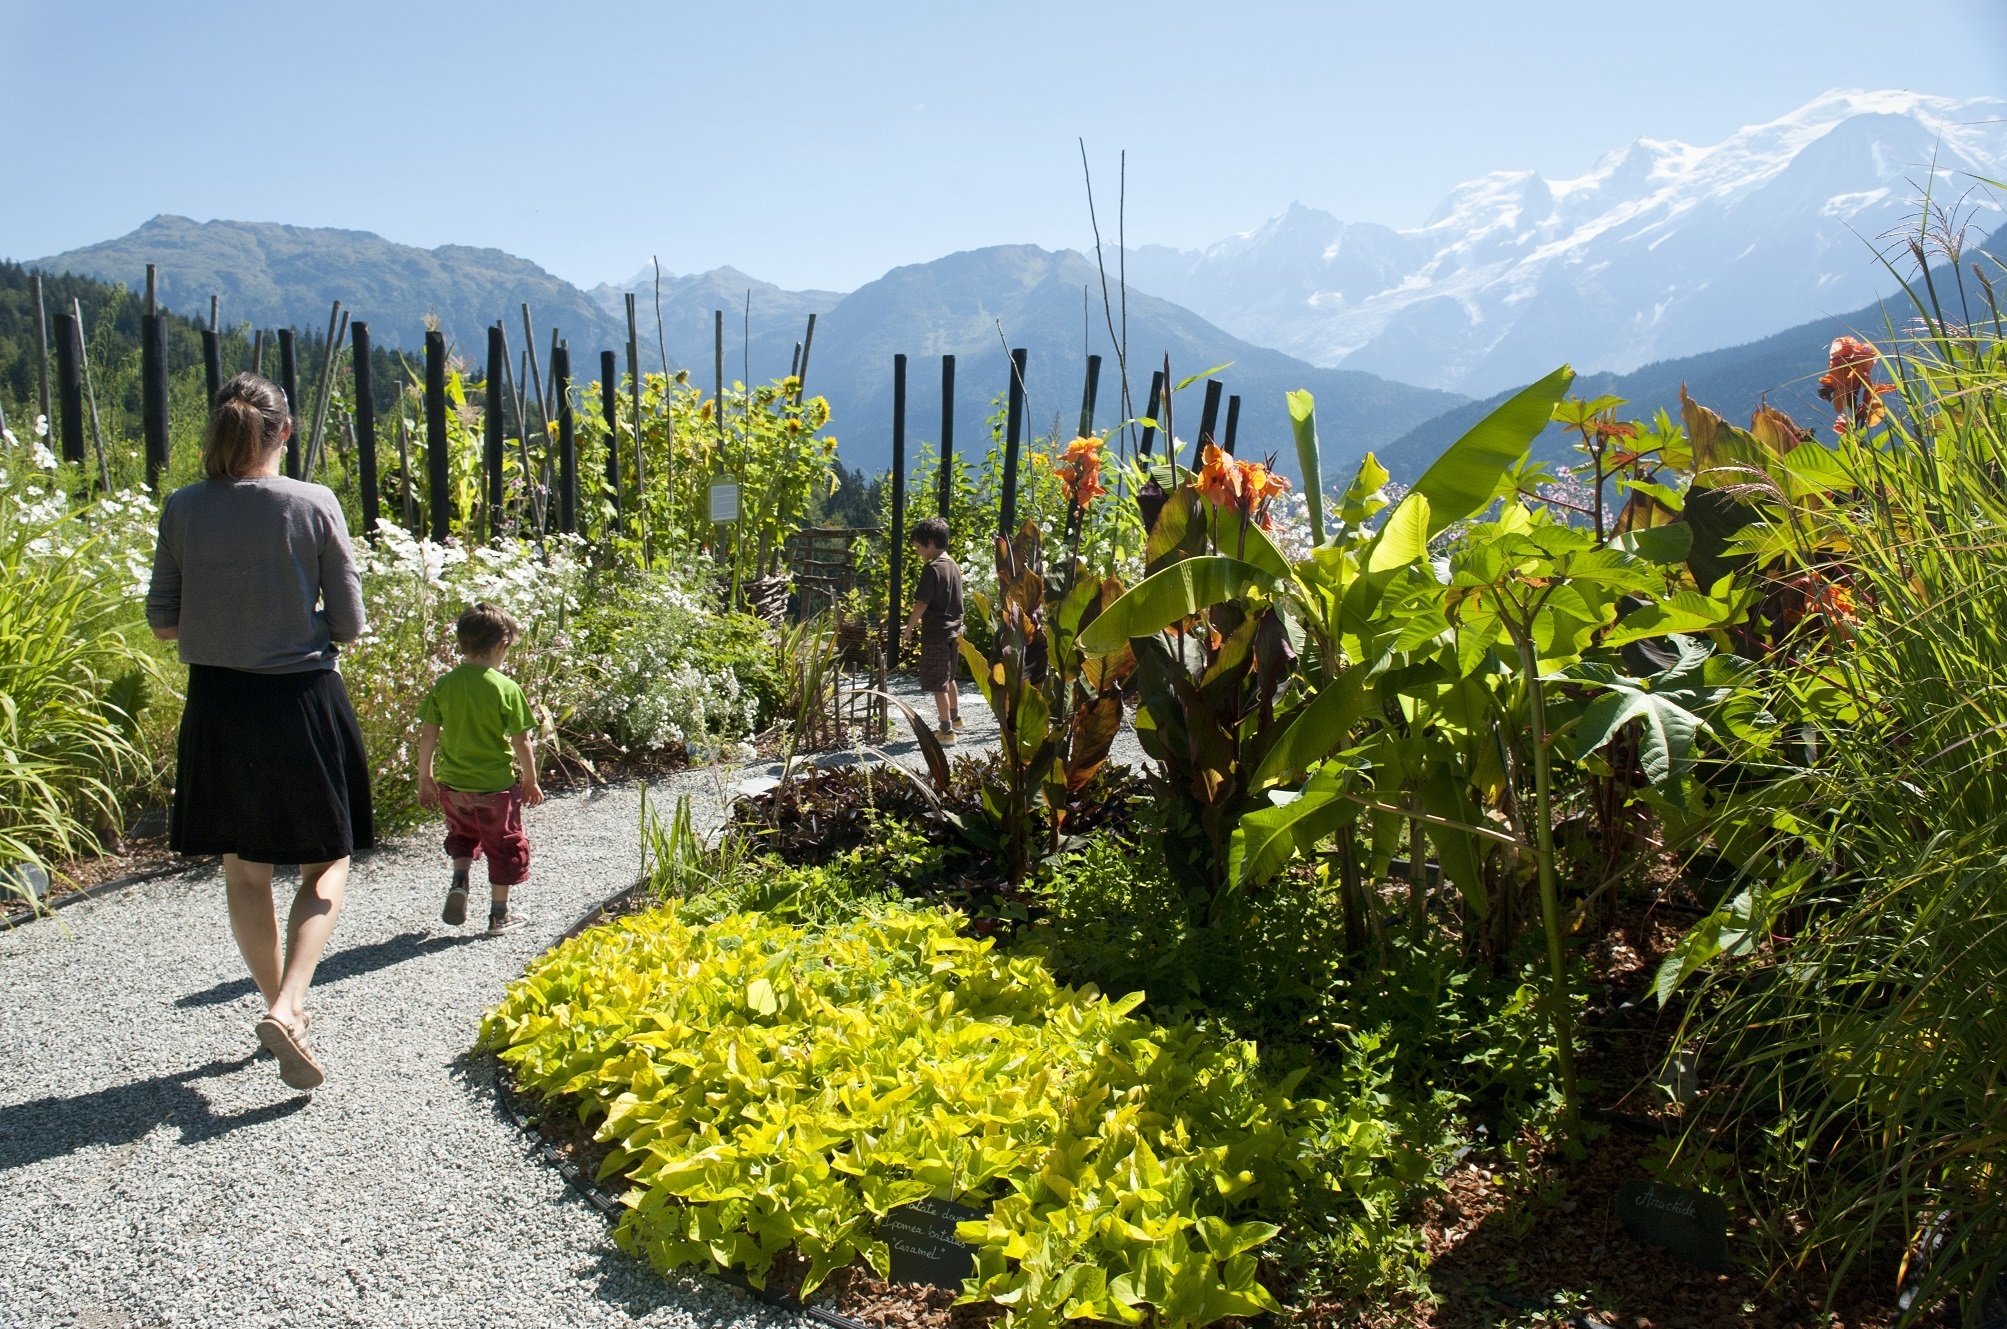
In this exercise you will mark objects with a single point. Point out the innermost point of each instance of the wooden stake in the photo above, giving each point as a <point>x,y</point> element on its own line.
<point>152,307</point>
<point>215,313</point>
<point>640,462</point>
<point>807,342</point>
<point>567,441</point>
<point>609,409</point>
<point>718,366</point>
<point>1156,398</point>
<point>212,363</point>
<point>945,482</point>
<point>153,392</point>
<point>1013,435</point>
<point>536,374</point>
<point>491,427</point>
<point>894,618</point>
<point>439,474</point>
<point>70,377</point>
<point>365,424</point>
<point>1087,395</point>
<point>1209,418</point>
<point>1232,423</point>
<point>42,359</point>
<point>289,383</point>
<point>258,354</point>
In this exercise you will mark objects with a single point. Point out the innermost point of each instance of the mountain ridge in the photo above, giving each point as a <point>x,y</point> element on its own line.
<point>1660,249</point>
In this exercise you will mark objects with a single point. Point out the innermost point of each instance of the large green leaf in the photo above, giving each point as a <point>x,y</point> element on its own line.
<point>1166,597</point>
<point>1267,839</point>
<point>1445,796</point>
<point>1246,541</point>
<point>1317,730</point>
<point>1303,422</point>
<point>1464,480</point>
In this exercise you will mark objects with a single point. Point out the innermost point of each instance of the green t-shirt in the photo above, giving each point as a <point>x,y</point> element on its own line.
<point>478,711</point>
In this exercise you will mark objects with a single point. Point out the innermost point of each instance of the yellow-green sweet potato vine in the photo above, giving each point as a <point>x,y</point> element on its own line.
<point>771,1087</point>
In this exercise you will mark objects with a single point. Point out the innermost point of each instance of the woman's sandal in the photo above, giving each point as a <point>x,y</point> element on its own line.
<point>297,1066</point>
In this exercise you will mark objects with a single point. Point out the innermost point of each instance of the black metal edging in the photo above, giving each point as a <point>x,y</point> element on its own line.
<point>574,1175</point>
<point>103,888</point>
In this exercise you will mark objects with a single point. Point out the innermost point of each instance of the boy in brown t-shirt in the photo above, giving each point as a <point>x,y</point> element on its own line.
<point>937,613</point>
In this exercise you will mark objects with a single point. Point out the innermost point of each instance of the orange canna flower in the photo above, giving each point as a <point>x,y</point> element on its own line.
<point>1849,384</point>
<point>1079,472</point>
<point>1241,486</point>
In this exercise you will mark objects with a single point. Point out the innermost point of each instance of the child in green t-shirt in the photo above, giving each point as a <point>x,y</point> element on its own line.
<point>478,722</point>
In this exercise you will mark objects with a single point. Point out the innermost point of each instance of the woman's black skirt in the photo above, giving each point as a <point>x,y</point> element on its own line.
<point>270,768</point>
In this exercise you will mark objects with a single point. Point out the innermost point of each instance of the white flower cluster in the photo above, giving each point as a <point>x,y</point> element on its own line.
<point>108,538</point>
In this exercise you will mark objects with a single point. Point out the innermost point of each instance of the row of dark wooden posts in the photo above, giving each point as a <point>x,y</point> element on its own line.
<point>1013,440</point>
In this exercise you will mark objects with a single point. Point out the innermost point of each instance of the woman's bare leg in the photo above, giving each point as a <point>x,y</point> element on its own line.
<point>315,908</point>
<point>248,888</point>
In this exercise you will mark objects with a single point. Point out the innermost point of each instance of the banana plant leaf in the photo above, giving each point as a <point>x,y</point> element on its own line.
<point>1317,730</point>
<point>1464,480</point>
<point>1170,596</point>
<point>1269,838</point>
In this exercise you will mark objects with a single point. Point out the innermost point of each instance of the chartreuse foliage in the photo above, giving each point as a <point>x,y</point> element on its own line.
<point>771,1088</point>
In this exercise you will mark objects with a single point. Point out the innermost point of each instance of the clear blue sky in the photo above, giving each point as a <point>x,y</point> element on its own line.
<point>819,144</point>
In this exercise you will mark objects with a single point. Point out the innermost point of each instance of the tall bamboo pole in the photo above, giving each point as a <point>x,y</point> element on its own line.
<point>807,344</point>
<point>1232,424</point>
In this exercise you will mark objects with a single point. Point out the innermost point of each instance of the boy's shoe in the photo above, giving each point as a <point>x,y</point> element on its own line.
<point>501,923</point>
<point>946,735</point>
<point>956,720</point>
<point>456,905</point>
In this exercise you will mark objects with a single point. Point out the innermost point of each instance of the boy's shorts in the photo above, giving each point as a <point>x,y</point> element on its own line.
<point>490,824</point>
<point>938,657</point>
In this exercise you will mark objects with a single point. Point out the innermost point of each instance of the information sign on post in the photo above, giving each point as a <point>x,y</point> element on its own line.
<point>920,1237</point>
<point>724,502</point>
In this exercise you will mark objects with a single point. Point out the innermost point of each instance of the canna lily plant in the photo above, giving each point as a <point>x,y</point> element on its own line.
<point>1378,685</point>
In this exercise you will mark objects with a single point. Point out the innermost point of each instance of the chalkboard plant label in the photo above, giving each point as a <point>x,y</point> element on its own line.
<point>921,1240</point>
<point>1688,1225</point>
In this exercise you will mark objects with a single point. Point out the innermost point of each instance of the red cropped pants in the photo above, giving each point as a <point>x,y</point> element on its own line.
<point>490,824</point>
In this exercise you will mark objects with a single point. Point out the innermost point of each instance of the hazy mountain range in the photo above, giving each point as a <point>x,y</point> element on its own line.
<point>1640,271</point>
<point>1661,249</point>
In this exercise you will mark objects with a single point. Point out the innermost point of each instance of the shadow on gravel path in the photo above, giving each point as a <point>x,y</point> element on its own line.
<point>350,963</point>
<point>46,1128</point>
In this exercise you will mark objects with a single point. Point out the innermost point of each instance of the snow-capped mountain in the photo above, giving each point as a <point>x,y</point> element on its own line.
<point>1661,249</point>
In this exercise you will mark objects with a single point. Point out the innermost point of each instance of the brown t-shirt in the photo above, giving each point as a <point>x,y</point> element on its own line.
<point>941,591</point>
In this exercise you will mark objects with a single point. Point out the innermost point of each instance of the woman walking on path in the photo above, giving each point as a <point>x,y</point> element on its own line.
<point>254,579</point>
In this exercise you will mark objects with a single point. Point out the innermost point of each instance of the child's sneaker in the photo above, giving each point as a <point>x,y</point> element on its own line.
<point>956,719</point>
<point>455,912</point>
<point>507,921</point>
<point>946,736</point>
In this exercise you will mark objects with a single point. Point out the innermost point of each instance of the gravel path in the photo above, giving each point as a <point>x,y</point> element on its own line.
<point>153,1172</point>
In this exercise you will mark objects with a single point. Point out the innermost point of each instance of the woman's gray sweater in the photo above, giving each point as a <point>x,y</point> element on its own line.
<point>257,573</point>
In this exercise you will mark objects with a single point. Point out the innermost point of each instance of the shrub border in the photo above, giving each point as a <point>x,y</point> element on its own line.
<point>510,1103</point>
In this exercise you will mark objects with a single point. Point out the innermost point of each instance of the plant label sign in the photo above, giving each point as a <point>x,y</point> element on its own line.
<point>1688,1225</point>
<point>724,502</point>
<point>921,1239</point>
